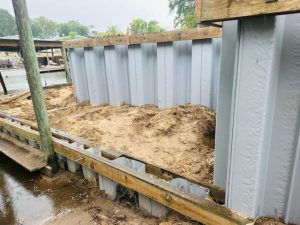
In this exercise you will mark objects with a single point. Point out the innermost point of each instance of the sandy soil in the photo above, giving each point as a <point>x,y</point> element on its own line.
<point>180,139</point>
<point>93,207</point>
<point>268,221</point>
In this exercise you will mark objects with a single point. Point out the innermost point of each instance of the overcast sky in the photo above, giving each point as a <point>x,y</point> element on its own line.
<point>99,13</point>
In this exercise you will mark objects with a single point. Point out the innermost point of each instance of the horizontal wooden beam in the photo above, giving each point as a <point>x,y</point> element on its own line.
<point>189,34</point>
<point>215,192</point>
<point>25,155</point>
<point>200,209</point>
<point>221,10</point>
<point>14,45</point>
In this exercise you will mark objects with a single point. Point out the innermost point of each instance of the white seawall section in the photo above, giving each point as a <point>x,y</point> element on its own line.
<point>259,111</point>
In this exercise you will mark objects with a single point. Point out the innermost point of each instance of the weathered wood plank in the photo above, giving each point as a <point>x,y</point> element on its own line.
<point>33,76</point>
<point>29,158</point>
<point>200,209</point>
<point>221,10</point>
<point>20,131</point>
<point>215,192</point>
<point>190,34</point>
<point>92,42</point>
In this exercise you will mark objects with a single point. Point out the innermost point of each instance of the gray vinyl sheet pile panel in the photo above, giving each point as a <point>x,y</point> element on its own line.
<point>162,74</point>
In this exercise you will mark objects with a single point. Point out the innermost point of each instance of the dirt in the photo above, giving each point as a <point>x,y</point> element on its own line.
<point>32,199</point>
<point>96,208</point>
<point>268,221</point>
<point>180,139</point>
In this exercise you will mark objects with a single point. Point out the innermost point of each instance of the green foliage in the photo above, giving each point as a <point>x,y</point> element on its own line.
<point>7,24</point>
<point>185,13</point>
<point>111,31</point>
<point>64,29</point>
<point>43,28</point>
<point>139,26</point>
<point>153,26</point>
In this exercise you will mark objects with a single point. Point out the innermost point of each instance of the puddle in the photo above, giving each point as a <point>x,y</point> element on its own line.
<point>28,199</point>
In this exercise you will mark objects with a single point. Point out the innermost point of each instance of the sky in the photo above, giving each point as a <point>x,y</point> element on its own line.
<point>99,13</point>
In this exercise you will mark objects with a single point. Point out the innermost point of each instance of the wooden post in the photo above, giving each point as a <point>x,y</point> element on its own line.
<point>35,85</point>
<point>66,64</point>
<point>3,84</point>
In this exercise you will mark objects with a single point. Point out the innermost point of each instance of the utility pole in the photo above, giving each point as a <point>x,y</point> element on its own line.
<point>66,64</point>
<point>35,85</point>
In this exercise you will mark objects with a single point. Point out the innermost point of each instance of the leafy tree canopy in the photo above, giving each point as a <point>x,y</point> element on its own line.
<point>111,31</point>
<point>43,28</point>
<point>7,24</point>
<point>185,13</point>
<point>64,29</point>
<point>139,26</point>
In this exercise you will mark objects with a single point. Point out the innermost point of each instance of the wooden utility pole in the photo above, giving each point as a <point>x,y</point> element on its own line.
<point>66,64</point>
<point>35,85</point>
<point>3,84</point>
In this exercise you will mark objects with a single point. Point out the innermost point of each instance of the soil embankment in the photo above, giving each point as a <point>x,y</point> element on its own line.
<point>180,138</point>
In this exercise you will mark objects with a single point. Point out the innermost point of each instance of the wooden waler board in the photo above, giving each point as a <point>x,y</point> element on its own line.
<point>221,10</point>
<point>22,154</point>
<point>201,209</point>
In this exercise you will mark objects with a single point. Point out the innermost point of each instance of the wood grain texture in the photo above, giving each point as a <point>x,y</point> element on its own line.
<point>28,157</point>
<point>163,173</point>
<point>202,210</point>
<point>34,81</point>
<point>221,10</point>
<point>189,34</point>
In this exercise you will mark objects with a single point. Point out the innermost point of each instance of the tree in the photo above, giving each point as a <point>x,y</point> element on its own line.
<point>7,24</point>
<point>43,27</point>
<point>153,26</point>
<point>139,26</point>
<point>111,31</point>
<point>185,13</point>
<point>64,29</point>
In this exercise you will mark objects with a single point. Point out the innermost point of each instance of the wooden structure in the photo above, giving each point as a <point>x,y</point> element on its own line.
<point>190,34</point>
<point>13,45</point>
<point>221,10</point>
<point>66,64</point>
<point>34,81</point>
<point>202,210</point>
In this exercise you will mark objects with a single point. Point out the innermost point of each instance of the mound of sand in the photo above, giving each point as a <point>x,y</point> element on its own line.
<point>180,138</point>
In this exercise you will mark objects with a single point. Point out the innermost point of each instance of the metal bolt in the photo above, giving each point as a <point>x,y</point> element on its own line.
<point>168,197</point>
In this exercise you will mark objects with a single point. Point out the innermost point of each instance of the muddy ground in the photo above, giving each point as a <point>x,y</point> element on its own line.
<point>31,199</point>
<point>180,139</point>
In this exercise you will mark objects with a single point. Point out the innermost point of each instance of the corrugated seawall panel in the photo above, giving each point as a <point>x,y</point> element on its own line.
<point>79,77</point>
<point>262,104</point>
<point>163,74</point>
<point>96,75</point>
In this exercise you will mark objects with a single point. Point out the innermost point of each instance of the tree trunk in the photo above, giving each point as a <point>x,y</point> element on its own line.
<point>66,64</point>
<point>35,85</point>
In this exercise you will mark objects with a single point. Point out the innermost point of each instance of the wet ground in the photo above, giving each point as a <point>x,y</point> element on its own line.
<point>29,199</point>
<point>66,199</point>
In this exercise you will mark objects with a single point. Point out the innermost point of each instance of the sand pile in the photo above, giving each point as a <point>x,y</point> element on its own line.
<point>180,138</point>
